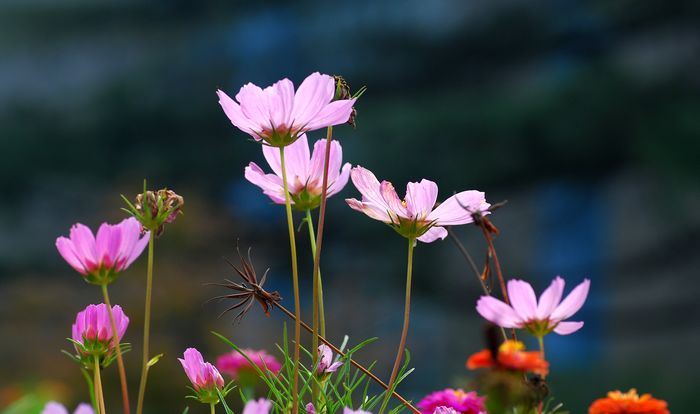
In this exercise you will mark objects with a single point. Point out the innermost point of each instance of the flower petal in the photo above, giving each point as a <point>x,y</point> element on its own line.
<point>84,244</point>
<point>458,209</point>
<point>370,209</point>
<point>255,106</point>
<point>340,181</point>
<point>572,303</point>
<point>269,183</point>
<point>565,328</point>
<point>522,299</point>
<point>335,113</point>
<point>498,312</point>
<point>368,185</point>
<point>52,407</point>
<point>392,200</point>
<point>67,250</point>
<point>550,298</point>
<point>433,234</point>
<point>281,102</point>
<point>83,409</point>
<point>421,198</point>
<point>235,115</point>
<point>313,94</point>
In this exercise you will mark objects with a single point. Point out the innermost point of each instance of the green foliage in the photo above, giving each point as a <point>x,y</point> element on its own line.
<point>347,387</point>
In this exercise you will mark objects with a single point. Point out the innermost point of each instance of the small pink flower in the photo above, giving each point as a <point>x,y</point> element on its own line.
<point>325,360</point>
<point>310,409</point>
<point>304,172</point>
<point>234,364</point>
<point>99,258</point>
<point>202,375</point>
<point>92,328</point>
<point>52,407</point>
<point>261,406</point>
<point>278,114</point>
<point>416,215</point>
<point>347,410</point>
<point>445,410</point>
<point>541,317</point>
<point>459,400</point>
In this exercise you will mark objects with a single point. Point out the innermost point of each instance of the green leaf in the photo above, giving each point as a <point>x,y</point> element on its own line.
<point>154,360</point>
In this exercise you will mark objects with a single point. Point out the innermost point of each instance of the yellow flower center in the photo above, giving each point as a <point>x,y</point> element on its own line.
<point>511,346</point>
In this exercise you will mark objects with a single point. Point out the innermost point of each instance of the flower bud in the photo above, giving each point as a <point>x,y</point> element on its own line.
<point>92,333</point>
<point>155,209</point>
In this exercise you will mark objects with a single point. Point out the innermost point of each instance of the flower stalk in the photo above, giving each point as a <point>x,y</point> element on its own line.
<point>120,361</point>
<point>406,319</point>
<point>98,387</point>
<point>295,282</point>
<point>146,324</point>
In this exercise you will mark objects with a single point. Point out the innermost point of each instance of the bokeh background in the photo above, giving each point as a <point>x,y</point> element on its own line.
<point>585,116</point>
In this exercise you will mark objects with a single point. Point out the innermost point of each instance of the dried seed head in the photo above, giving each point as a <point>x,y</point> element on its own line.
<point>342,91</point>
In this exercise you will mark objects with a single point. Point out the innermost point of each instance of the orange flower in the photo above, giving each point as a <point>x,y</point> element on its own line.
<point>628,403</point>
<point>512,356</point>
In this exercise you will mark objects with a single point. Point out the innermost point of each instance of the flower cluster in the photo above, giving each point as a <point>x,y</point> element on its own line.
<point>457,399</point>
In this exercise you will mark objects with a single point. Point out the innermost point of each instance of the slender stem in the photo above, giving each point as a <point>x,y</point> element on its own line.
<point>406,317</point>
<point>468,258</point>
<point>321,311</point>
<point>321,223</point>
<point>540,340</point>
<point>315,307</point>
<point>295,282</point>
<point>146,323</point>
<point>115,342</point>
<point>212,410</point>
<point>91,388</point>
<point>497,263</point>
<point>357,365</point>
<point>98,388</point>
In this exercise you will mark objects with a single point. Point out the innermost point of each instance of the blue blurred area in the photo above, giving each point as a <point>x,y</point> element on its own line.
<point>584,115</point>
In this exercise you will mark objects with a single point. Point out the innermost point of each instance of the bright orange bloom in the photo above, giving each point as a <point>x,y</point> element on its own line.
<point>511,355</point>
<point>628,403</point>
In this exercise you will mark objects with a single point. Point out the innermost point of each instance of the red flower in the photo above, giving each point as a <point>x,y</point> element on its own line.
<point>628,403</point>
<point>511,356</point>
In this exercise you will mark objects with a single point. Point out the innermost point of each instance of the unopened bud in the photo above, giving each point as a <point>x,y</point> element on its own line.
<point>155,209</point>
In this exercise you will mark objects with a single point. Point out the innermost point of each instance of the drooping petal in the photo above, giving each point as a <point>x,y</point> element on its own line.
<point>313,94</point>
<point>498,312</point>
<point>371,209</point>
<point>572,303</point>
<point>434,233</point>
<point>368,185</point>
<point>271,184</point>
<point>67,250</point>
<point>421,198</point>
<point>458,209</point>
<point>550,298</point>
<point>235,115</point>
<point>565,328</point>
<point>522,299</point>
<point>335,113</point>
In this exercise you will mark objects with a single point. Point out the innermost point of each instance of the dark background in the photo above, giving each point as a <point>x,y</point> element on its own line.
<point>584,115</point>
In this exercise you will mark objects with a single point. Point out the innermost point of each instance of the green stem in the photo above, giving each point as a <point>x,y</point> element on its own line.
<point>318,312</point>
<point>295,282</point>
<point>115,342</point>
<point>212,405</point>
<point>404,331</point>
<point>146,323</point>
<point>91,388</point>
<point>98,388</point>
<point>540,340</point>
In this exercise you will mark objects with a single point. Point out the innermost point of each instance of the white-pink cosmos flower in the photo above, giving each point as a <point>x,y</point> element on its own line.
<point>304,172</point>
<point>325,360</point>
<point>539,317</point>
<point>278,114</point>
<point>202,375</point>
<point>415,216</point>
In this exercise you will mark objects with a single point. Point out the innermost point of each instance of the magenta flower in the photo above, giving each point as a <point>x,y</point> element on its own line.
<point>261,406</point>
<point>304,172</point>
<point>100,258</point>
<point>236,365</point>
<point>52,407</point>
<point>325,361</point>
<point>540,318</point>
<point>445,410</point>
<point>278,114</point>
<point>203,375</point>
<point>92,331</point>
<point>310,409</point>
<point>416,216</point>
<point>461,401</point>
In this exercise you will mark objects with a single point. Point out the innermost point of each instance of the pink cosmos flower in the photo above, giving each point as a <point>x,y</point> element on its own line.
<point>99,258</point>
<point>202,375</point>
<point>542,317</point>
<point>52,407</point>
<point>278,114</point>
<point>325,360</point>
<point>461,401</point>
<point>235,364</point>
<point>261,406</point>
<point>304,172</point>
<point>416,215</point>
<point>92,328</point>
<point>445,410</point>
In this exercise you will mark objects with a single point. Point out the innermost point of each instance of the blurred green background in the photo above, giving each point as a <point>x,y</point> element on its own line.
<point>584,115</point>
